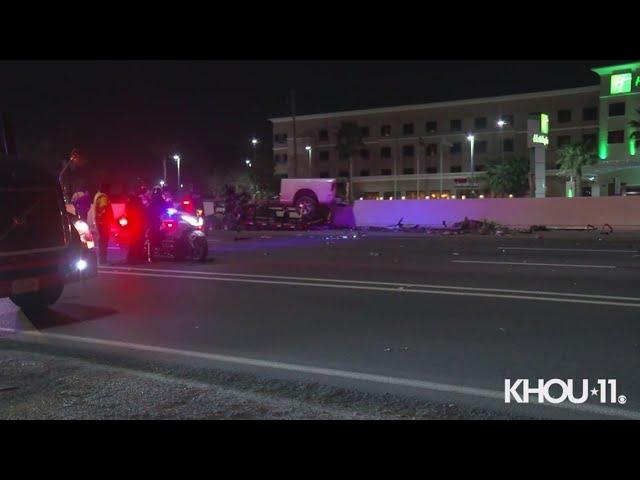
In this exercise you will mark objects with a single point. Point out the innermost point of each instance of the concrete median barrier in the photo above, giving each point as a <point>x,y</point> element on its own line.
<point>622,213</point>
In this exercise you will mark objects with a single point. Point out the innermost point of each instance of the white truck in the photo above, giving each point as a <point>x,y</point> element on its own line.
<point>308,194</point>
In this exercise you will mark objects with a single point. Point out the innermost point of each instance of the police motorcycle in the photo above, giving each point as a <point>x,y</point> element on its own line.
<point>180,236</point>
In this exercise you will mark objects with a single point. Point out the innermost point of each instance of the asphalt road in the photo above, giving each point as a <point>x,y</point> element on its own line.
<point>434,318</point>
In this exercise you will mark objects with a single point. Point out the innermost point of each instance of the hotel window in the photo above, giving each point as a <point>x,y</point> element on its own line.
<point>563,140</point>
<point>364,173</point>
<point>564,116</point>
<point>507,145</point>
<point>285,158</point>
<point>480,146</point>
<point>364,154</point>
<point>408,171</point>
<point>431,127</point>
<point>407,129</point>
<point>385,152</point>
<point>385,131</point>
<point>344,173</point>
<point>323,155</point>
<point>408,151</point>
<point>432,169</point>
<point>455,169</point>
<point>589,139</point>
<point>456,125</point>
<point>589,114</point>
<point>364,131</point>
<point>480,123</point>
<point>616,136</point>
<point>431,150</point>
<point>456,148</point>
<point>323,135</point>
<point>324,174</point>
<point>385,171</point>
<point>616,109</point>
<point>276,158</point>
<point>280,138</point>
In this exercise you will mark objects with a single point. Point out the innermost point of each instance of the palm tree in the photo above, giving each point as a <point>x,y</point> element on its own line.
<point>572,159</point>
<point>635,124</point>
<point>508,176</point>
<point>349,142</point>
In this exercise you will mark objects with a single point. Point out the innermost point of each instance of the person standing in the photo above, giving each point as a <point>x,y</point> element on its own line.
<point>103,220</point>
<point>82,203</point>
<point>136,215</point>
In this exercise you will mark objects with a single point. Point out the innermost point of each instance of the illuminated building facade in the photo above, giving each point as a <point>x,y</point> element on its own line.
<point>427,148</point>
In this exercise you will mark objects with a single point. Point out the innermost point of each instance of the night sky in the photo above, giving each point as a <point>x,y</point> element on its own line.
<point>124,115</point>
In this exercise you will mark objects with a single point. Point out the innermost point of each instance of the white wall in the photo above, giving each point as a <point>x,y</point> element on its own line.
<point>619,212</point>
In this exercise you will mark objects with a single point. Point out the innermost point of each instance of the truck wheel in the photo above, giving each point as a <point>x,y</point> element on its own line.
<point>307,206</point>
<point>38,301</point>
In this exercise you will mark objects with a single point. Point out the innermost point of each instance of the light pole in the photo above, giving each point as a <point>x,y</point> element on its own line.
<point>501,124</point>
<point>177,159</point>
<point>308,148</point>
<point>471,139</point>
<point>420,146</point>
<point>443,143</point>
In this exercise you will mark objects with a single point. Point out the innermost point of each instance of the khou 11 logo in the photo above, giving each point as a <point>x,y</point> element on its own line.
<point>605,391</point>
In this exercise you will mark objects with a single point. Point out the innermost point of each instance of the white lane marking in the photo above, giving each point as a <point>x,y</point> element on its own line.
<point>589,250</point>
<point>532,264</point>
<point>399,289</point>
<point>328,372</point>
<point>363,282</point>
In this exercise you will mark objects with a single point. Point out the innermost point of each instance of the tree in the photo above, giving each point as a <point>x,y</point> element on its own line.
<point>508,176</point>
<point>572,158</point>
<point>349,143</point>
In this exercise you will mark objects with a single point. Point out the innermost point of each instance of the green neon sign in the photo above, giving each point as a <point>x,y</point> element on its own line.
<point>539,138</point>
<point>544,124</point>
<point>621,83</point>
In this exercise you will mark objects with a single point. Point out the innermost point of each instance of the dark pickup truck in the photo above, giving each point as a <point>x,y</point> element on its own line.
<point>42,247</point>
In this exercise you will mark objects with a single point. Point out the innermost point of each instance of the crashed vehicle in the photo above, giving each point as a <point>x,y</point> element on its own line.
<point>42,246</point>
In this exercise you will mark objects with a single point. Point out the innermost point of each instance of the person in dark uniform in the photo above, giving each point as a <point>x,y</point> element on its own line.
<point>137,225</point>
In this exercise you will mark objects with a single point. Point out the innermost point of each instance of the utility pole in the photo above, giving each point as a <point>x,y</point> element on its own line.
<point>395,168</point>
<point>420,146</point>
<point>164,169</point>
<point>295,138</point>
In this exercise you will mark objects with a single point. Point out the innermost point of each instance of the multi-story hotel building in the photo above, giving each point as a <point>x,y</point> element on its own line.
<point>426,147</point>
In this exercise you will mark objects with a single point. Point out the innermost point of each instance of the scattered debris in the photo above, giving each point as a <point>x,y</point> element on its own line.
<point>606,229</point>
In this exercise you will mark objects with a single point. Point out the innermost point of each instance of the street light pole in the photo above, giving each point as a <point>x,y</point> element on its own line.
<point>308,148</point>
<point>420,144</point>
<point>501,124</point>
<point>177,159</point>
<point>164,169</point>
<point>471,139</point>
